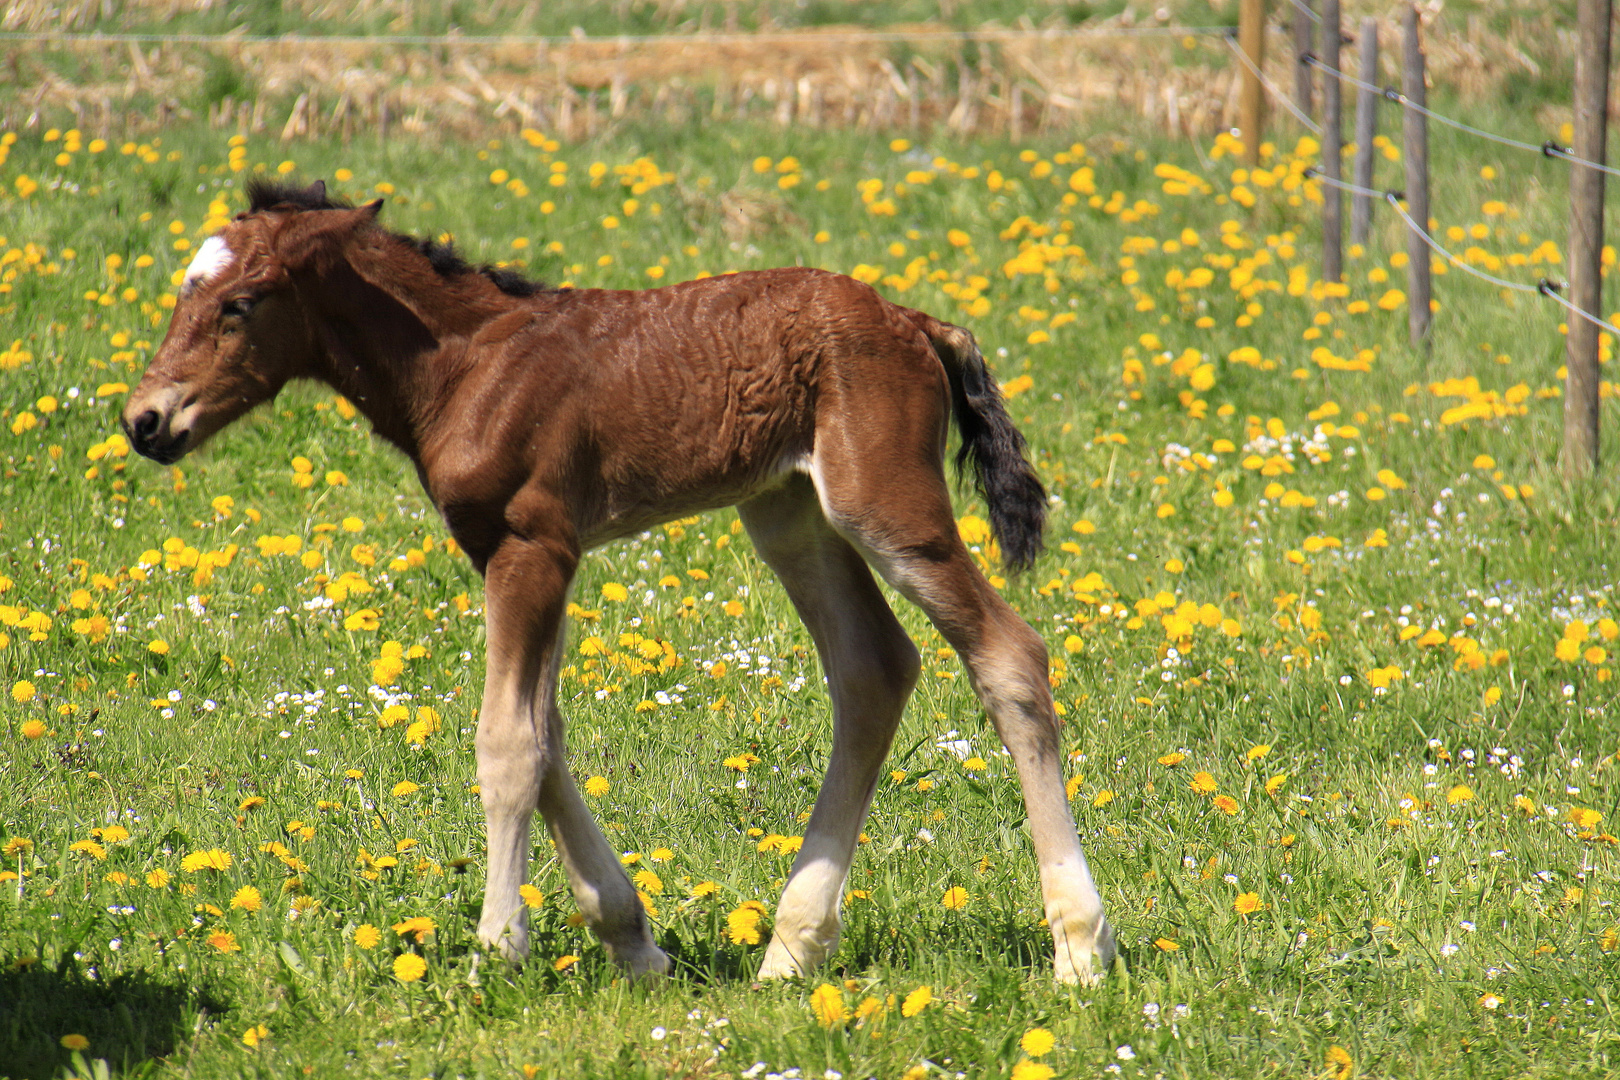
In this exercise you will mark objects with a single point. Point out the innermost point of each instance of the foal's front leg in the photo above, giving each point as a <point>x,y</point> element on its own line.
<point>523,766</point>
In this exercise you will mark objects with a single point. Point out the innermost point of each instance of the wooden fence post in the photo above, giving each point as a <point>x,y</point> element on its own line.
<point>1416,155</point>
<point>1366,131</point>
<point>1332,148</point>
<point>1304,77</point>
<point>1581,400</point>
<point>1252,39</point>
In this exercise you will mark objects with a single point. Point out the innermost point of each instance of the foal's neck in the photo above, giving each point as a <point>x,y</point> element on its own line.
<point>396,335</point>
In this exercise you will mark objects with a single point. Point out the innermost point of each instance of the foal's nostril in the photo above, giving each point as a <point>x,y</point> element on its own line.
<point>146,425</point>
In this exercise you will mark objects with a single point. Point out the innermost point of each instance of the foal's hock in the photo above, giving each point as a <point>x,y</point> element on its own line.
<point>546,422</point>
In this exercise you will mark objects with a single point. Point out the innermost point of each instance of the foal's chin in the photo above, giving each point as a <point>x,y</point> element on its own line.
<point>168,455</point>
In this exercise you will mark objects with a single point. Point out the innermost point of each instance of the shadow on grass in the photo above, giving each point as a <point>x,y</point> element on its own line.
<point>128,1019</point>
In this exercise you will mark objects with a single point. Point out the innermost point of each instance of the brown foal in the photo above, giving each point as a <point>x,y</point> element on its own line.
<point>544,423</point>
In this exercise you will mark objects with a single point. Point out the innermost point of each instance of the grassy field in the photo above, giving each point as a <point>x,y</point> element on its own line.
<point>1334,643</point>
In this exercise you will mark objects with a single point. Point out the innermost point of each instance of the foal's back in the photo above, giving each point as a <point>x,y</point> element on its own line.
<point>642,405</point>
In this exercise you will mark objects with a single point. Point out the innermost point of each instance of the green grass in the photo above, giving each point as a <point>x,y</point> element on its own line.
<point>1392,904</point>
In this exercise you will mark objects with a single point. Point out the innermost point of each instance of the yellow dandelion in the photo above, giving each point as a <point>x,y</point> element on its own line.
<point>212,859</point>
<point>597,786</point>
<point>1037,1042</point>
<point>955,898</point>
<point>75,1042</point>
<point>742,924</point>
<point>419,927</point>
<point>247,899</point>
<point>1247,903</point>
<point>916,1001</point>
<point>408,967</point>
<point>367,936</point>
<point>827,1003</point>
<point>1584,818</point>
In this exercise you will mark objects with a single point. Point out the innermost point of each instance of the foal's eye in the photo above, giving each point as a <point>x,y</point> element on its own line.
<point>240,307</point>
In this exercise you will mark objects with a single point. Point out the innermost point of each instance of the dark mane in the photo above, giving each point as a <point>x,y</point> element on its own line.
<point>447,261</point>
<point>265,194</point>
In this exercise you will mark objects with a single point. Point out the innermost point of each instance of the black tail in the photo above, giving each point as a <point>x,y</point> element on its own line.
<point>1003,476</point>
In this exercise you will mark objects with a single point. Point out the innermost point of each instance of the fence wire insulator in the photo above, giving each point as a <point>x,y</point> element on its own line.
<point>1552,149</point>
<point>1547,285</point>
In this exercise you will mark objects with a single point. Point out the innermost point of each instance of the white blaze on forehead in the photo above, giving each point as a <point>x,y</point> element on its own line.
<point>211,258</point>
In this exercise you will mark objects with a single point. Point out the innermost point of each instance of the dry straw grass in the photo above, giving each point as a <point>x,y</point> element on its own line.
<point>577,88</point>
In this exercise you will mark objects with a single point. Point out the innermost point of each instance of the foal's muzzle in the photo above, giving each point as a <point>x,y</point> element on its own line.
<point>149,434</point>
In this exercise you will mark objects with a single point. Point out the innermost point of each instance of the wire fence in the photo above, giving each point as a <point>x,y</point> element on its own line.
<point>1283,99</point>
<point>1545,286</point>
<point>1305,9</point>
<point>1549,148</point>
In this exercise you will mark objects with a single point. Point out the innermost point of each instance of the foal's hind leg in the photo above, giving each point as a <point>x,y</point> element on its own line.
<point>522,766</point>
<point>902,519</point>
<point>871,668</point>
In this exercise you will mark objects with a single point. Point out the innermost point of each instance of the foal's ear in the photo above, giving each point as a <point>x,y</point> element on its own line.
<point>306,237</point>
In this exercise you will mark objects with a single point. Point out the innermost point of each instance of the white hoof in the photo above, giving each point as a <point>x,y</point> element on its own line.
<point>647,961</point>
<point>1086,964</point>
<point>509,940</point>
<point>779,963</point>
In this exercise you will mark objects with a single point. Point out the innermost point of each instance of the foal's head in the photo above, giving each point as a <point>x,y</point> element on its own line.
<point>239,332</point>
